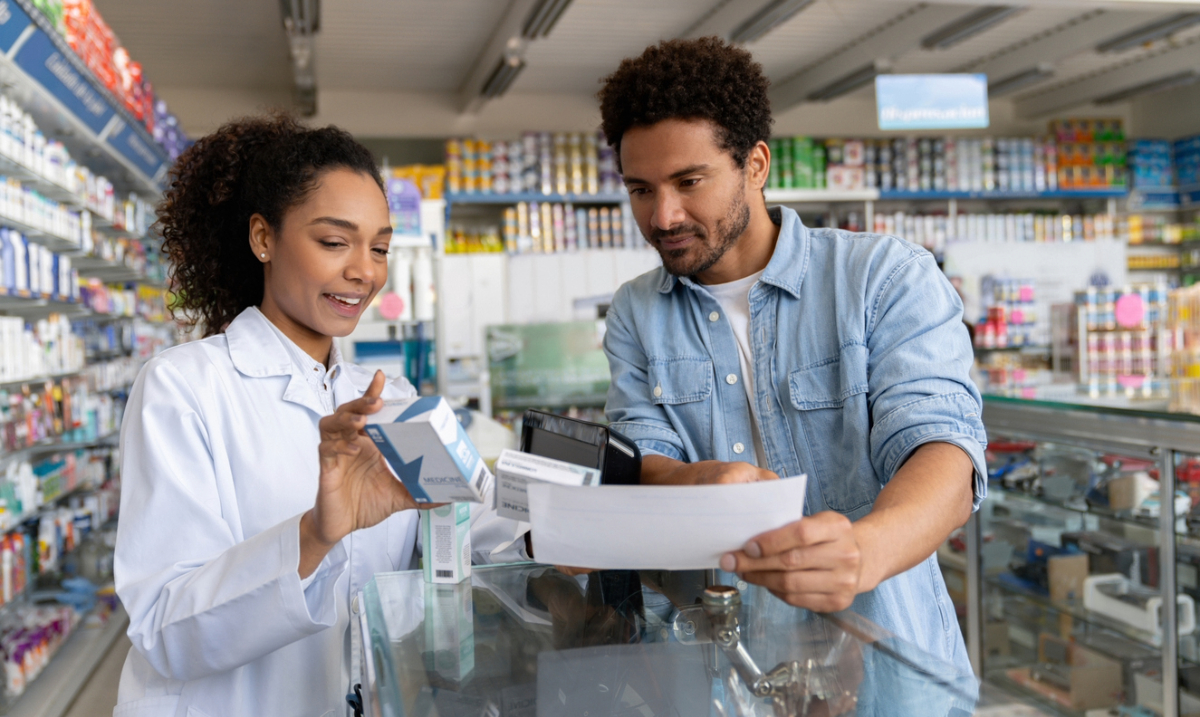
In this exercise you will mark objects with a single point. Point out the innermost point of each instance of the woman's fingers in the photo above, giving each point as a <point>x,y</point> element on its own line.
<point>369,403</point>
<point>339,447</point>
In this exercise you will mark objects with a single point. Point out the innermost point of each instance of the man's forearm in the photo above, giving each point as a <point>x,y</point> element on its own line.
<point>660,470</point>
<point>924,502</point>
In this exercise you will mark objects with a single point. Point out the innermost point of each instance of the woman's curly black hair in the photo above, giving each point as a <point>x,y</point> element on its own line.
<point>254,165</point>
<point>690,79</point>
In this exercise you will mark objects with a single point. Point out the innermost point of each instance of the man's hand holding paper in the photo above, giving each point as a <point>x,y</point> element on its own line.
<point>814,563</point>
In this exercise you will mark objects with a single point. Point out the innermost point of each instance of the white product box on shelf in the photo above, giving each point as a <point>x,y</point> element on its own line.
<point>1116,597</point>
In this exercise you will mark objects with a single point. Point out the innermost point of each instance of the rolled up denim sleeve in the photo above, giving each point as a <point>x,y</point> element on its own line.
<point>920,390</point>
<point>629,409</point>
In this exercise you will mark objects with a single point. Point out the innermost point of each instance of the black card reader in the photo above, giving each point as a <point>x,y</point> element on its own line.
<point>583,443</point>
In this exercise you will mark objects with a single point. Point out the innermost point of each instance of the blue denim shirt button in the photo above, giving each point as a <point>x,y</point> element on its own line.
<point>658,391</point>
<point>714,316</point>
<point>731,379</point>
<point>738,448</point>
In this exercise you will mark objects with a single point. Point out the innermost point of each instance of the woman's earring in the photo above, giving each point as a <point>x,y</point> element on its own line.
<point>263,256</point>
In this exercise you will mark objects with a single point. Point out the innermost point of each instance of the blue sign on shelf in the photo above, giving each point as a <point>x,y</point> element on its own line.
<point>907,102</point>
<point>42,61</point>
<point>130,145</point>
<point>13,22</point>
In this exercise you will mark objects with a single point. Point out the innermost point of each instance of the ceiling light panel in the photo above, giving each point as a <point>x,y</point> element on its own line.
<point>771,16</point>
<point>979,21</point>
<point>1162,84</point>
<point>591,39</point>
<point>543,17</point>
<point>1020,80</point>
<point>1150,32</point>
<point>966,56</point>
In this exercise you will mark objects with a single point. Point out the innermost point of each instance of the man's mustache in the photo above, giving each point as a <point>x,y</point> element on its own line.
<point>658,235</point>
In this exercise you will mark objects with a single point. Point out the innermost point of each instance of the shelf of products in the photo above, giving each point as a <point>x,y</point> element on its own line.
<point>66,62</point>
<point>540,163</point>
<point>1081,159</point>
<point>1087,580</point>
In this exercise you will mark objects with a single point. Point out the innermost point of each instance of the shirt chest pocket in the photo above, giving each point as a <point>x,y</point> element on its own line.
<point>831,422</point>
<point>683,387</point>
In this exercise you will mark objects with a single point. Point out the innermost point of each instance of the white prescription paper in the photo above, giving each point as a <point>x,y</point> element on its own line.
<point>656,527</point>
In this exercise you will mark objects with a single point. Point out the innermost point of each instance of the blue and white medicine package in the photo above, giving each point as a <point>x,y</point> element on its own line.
<point>429,451</point>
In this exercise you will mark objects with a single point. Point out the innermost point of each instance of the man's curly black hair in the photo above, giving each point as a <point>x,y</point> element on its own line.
<point>690,79</point>
<point>254,165</point>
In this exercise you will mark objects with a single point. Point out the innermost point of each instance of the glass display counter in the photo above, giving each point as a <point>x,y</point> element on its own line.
<point>1077,580</point>
<point>524,639</point>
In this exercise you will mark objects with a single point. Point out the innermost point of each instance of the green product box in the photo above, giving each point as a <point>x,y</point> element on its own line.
<point>773,177</point>
<point>818,166</point>
<point>802,163</point>
<point>786,171</point>
<point>446,543</point>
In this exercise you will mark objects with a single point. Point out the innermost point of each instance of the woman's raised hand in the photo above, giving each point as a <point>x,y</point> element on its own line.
<point>357,490</point>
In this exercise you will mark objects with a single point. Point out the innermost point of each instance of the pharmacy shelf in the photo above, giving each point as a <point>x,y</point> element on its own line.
<point>1027,348</point>
<point>1077,611</point>
<point>107,228</point>
<point>532,197</point>
<point>1106,514</point>
<point>818,196</point>
<point>29,305</point>
<point>54,446</point>
<point>108,271</point>
<point>53,242</point>
<point>47,78</point>
<point>38,380</point>
<point>1000,196</point>
<point>59,684</point>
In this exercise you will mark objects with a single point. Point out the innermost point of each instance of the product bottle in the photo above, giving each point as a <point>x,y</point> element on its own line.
<point>402,282</point>
<point>423,296</point>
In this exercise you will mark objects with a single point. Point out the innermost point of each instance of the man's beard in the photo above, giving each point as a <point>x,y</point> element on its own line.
<point>701,257</point>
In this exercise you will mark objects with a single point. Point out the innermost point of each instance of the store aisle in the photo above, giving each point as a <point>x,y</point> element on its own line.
<point>99,696</point>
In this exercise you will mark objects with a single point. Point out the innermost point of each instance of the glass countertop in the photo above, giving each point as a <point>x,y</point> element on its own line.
<point>525,639</point>
<point>1169,399</point>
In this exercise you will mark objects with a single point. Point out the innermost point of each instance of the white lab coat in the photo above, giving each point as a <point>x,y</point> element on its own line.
<point>218,462</point>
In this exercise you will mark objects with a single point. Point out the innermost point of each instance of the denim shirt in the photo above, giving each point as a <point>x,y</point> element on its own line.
<point>860,356</point>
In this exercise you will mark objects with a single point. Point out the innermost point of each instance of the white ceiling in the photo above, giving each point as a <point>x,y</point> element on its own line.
<point>430,47</point>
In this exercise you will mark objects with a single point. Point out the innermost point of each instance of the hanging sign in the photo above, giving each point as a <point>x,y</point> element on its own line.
<point>907,102</point>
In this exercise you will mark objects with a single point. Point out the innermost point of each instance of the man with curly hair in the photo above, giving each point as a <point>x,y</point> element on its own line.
<point>764,348</point>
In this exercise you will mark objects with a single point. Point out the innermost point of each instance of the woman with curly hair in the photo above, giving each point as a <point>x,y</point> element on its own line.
<point>254,507</point>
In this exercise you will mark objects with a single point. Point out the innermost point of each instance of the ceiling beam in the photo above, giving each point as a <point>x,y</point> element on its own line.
<point>1054,99</point>
<point>721,22</point>
<point>505,39</point>
<point>1076,37</point>
<point>879,47</point>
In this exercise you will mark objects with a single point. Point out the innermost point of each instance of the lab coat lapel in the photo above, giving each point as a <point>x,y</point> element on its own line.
<point>257,352</point>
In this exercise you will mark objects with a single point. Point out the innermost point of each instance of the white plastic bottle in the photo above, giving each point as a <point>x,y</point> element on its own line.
<point>423,295</point>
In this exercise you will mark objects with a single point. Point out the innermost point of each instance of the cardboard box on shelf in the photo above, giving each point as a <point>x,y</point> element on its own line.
<point>1091,680</point>
<point>1067,573</point>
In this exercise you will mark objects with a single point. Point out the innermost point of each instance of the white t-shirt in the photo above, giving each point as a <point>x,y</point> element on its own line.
<point>734,298</point>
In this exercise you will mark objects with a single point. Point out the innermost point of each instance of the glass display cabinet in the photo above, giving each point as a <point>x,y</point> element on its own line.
<point>524,639</point>
<point>1077,579</point>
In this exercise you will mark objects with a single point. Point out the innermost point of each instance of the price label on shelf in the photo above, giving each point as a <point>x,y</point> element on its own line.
<point>13,22</point>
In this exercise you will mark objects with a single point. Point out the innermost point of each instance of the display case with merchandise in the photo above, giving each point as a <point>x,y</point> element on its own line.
<point>526,639</point>
<point>1076,579</point>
